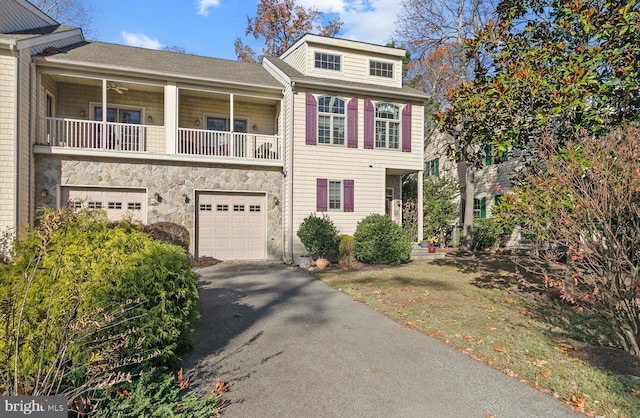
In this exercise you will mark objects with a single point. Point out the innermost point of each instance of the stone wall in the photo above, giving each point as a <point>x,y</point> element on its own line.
<point>172,181</point>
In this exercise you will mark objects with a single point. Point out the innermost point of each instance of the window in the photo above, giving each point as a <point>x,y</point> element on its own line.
<point>238,208</point>
<point>327,61</point>
<point>116,114</point>
<point>381,69</point>
<point>75,204</point>
<point>330,120</point>
<point>222,124</point>
<point>114,205</point>
<point>480,208</point>
<point>94,205</point>
<point>134,206</point>
<point>432,167</point>
<point>387,126</point>
<point>491,157</point>
<point>335,195</point>
<point>254,208</point>
<point>222,208</point>
<point>205,207</point>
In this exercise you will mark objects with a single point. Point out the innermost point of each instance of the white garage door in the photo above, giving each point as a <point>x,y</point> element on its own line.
<point>231,226</point>
<point>118,203</point>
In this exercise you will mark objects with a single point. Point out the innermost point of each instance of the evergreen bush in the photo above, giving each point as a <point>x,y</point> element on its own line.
<point>486,233</point>
<point>82,297</point>
<point>379,240</point>
<point>318,235</point>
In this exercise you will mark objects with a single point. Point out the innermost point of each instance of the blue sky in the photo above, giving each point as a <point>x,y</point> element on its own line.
<point>209,27</point>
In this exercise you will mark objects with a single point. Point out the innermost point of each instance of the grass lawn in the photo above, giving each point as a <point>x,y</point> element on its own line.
<point>477,304</point>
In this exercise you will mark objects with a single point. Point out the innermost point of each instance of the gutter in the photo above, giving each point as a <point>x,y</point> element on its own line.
<point>289,165</point>
<point>366,90</point>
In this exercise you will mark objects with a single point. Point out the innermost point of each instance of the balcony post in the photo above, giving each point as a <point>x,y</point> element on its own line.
<point>171,117</point>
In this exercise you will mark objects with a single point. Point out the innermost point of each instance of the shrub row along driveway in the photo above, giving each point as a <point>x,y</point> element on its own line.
<point>294,347</point>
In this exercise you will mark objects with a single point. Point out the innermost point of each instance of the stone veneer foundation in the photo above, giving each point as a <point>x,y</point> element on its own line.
<point>171,180</point>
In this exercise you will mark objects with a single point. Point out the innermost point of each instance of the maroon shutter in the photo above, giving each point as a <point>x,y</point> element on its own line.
<point>348,196</point>
<point>406,128</point>
<point>321,195</point>
<point>352,123</point>
<point>311,119</point>
<point>369,123</point>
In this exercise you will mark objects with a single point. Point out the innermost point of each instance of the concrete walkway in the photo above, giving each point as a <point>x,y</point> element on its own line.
<point>294,347</point>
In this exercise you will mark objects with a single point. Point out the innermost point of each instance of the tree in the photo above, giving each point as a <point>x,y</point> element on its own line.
<point>439,209</point>
<point>556,68</point>
<point>436,31</point>
<point>281,23</point>
<point>72,12</point>
<point>585,204</point>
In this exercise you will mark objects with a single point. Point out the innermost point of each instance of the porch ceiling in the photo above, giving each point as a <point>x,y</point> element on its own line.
<point>86,81</point>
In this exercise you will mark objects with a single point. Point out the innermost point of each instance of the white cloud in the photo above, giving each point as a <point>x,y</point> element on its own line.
<point>364,20</point>
<point>141,40</point>
<point>204,5</point>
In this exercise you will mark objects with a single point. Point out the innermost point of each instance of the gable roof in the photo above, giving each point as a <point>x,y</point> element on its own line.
<point>298,78</point>
<point>20,15</point>
<point>149,62</point>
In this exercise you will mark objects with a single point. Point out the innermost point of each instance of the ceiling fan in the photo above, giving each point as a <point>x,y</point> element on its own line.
<point>113,86</point>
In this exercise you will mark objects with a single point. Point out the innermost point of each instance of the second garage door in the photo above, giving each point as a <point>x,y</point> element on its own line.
<point>118,203</point>
<point>231,226</point>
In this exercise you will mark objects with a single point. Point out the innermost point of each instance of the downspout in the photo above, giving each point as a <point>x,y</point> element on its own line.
<point>31,194</point>
<point>16,151</point>
<point>289,173</point>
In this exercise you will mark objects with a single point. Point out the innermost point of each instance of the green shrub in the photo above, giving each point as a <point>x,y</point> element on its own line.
<point>318,235</point>
<point>346,245</point>
<point>486,233</point>
<point>103,296</point>
<point>170,232</point>
<point>155,394</point>
<point>379,240</point>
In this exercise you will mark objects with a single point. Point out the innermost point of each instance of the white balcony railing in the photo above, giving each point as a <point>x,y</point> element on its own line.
<point>75,133</point>
<point>228,144</point>
<point>95,135</point>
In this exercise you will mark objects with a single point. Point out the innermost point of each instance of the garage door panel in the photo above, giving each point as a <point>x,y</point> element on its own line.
<point>117,203</point>
<point>236,226</point>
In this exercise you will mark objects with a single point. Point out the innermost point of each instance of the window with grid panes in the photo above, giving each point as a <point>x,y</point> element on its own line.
<point>331,120</point>
<point>387,126</point>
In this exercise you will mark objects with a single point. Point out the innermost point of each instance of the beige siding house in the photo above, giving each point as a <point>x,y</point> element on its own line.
<point>237,153</point>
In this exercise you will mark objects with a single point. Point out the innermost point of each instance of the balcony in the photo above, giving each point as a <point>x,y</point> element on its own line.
<point>155,121</point>
<point>144,139</point>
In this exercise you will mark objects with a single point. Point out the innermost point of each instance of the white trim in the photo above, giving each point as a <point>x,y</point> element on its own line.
<point>132,155</point>
<point>344,43</point>
<point>44,39</point>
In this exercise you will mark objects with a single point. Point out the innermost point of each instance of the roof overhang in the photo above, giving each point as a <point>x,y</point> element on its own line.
<point>79,69</point>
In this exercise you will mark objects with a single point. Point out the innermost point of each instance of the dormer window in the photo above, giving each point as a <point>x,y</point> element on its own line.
<point>381,69</point>
<point>327,61</point>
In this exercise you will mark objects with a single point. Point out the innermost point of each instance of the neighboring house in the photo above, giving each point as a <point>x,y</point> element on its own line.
<point>491,181</point>
<point>238,153</point>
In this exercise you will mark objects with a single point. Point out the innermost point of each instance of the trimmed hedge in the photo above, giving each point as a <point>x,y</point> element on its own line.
<point>379,240</point>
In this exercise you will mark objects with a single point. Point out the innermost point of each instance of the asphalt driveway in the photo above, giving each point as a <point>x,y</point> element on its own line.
<point>295,347</point>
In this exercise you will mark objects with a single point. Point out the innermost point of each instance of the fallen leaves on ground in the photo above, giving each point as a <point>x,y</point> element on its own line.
<point>499,348</point>
<point>221,387</point>
<point>540,363</point>
<point>183,382</point>
<point>510,373</point>
<point>576,402</point>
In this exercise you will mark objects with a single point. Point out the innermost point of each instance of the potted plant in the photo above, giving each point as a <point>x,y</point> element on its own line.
<point>319,237</point>
<point>433,240</point>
